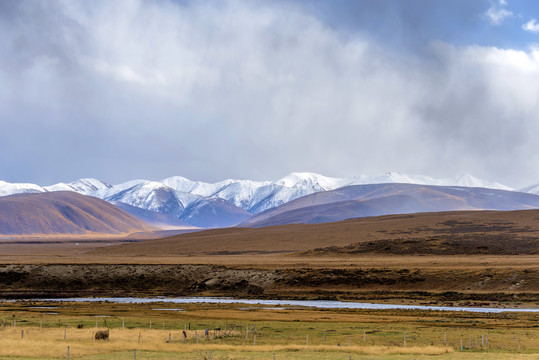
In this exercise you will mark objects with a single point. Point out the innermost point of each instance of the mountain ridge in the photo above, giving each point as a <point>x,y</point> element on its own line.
<point>174,195</point>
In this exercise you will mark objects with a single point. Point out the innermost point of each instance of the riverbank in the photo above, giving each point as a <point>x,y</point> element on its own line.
<point>479,284</point>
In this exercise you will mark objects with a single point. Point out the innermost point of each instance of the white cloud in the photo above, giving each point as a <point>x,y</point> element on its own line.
<point>239,89</point>
<point>531,26</point>
<point>496,14</point>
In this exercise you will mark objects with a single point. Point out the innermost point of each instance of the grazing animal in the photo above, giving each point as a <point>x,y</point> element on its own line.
<point>184,334</point>
<point>102,335</point>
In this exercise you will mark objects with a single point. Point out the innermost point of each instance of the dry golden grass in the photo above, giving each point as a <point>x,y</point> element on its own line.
<point>333,334</point>
<point>49,342</point>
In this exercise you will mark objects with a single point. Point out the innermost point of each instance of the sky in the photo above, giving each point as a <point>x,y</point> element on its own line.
<point>209,90</point>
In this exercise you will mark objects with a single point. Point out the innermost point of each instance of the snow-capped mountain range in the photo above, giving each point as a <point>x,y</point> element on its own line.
<point>200,203</point>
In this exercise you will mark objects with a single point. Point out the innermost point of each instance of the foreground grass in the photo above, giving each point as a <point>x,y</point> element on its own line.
<point>32,332</point>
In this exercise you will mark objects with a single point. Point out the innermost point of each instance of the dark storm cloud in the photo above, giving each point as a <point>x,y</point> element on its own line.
<point>134,89</point>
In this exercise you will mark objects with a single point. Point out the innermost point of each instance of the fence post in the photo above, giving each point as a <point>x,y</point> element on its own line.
<point>134,354</point>
<point>460,344</point>
<point>254,340</point>
<point>348,340</point>
<point>307,340</point>
<point>123,325</point>
<point>445,338</point>
<point>364,337</point>
<point>196,335</point>
<point>150,325</point>
<point>273,356</point>
<point>65,333</point>
<point>405,339</point>
<point>324,335</point>
<point>486,339</point>
<point>209,355</point>
<point>22,334</point>
<point>68,353</point>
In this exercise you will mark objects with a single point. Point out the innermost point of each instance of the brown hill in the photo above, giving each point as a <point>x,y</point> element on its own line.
<point>64,212</point>
<point>446,233</point>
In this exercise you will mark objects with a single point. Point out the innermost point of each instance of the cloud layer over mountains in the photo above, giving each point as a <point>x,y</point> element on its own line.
<point>125,89</point>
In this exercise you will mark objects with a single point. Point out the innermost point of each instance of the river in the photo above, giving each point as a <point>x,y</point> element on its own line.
<point>322,304</point>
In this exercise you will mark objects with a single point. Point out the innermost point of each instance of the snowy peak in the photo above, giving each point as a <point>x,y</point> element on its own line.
<point>307,179</point>
<point>465,180</point>
<point>532,189</point>
<point>468,180</point>
<point>83,186</point>
<point>18,188</point>
<point>150,195</point>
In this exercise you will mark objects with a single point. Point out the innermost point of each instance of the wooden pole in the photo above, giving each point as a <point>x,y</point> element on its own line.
<point>348,340</point>
<point>445,338</point>
<point>307,340</point>
<point>139,337</point>
<point>123,325</point>
<point>254,340</point>
<point>22,334</point>
<point>364,339</point>
<point>405,339</point>
<point>65,333</point>
<point>68,353</point>
<point>460,344</point>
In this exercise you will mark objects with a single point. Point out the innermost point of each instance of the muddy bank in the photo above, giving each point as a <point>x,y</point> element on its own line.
<point>71,280</point>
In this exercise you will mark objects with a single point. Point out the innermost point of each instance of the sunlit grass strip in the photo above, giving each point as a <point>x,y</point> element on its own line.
<point>40,343</point>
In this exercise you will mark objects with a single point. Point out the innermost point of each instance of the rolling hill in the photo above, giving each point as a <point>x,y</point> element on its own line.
<point>445,233</point>
<point>64,212</point>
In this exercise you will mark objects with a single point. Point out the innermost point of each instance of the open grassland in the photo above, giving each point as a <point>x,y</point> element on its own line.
<point>33,330</point>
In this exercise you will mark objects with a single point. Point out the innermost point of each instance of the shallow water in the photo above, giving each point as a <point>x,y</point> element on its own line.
<point>323,304</point>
